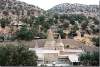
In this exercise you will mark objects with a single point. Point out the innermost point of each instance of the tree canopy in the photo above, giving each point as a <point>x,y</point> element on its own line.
<point>91,59</point>
<point>96,41</point>
<point>19,55</point>
<point>4,22</point>
<point>24,34</point>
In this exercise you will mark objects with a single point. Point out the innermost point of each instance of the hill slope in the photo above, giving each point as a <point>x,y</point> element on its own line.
<point>69,8</point>
<point>15,6</point>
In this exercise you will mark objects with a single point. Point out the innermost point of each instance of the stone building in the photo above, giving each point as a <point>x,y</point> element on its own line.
<point>55,51</point>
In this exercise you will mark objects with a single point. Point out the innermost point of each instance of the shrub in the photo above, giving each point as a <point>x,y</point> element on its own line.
<point>18,55</point>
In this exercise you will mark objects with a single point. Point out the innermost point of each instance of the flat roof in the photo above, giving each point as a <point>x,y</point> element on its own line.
<point>43,51</point>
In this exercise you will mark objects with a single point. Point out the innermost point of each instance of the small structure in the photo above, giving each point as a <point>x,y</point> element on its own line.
<point>86,39</point>
<point>59,45</point>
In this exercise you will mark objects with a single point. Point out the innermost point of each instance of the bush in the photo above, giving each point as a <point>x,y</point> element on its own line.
<point>1,38</point>
<point>96,41</point>
<point>18,55</point>
<point>72,34</point>
<point>62,34</point>
<point>91,59</point>
<point>4,22</point>
<point>24,34</point>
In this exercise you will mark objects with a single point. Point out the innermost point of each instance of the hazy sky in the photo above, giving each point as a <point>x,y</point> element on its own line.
<point>47,4</point>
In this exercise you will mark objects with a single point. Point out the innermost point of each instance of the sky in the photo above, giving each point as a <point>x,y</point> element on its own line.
<point>47,4</point>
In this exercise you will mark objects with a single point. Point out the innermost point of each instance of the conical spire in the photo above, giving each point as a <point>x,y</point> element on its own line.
<point>36,44</point>
<point>50,42</point>
<point>59,39</point>
<point>59,44</point>
<point>50,35</point>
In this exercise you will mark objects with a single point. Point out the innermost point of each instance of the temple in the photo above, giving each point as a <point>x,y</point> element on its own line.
<point>54,50</point>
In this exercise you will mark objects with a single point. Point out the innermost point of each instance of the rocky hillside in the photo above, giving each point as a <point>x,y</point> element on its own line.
<point>15,7</point>
<point>70,8</point>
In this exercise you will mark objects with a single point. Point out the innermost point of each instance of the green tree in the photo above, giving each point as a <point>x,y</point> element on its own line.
<point>24,34</point>
<point>65,24</point>
<point>29,20</point>
<point>96,41</point>
<point>89,58</point>
<point>4,22</point>
<point>96,21</point>
<point>40,20</point>
<point>84,25</point>
<point>78,18</point>
<point>19,55</point>
<point>72,34</point>
<point>62,34</point>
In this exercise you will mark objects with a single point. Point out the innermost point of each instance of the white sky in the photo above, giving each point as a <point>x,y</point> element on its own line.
<point>47,4</point>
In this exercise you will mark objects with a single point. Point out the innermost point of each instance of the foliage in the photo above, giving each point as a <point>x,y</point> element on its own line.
<point>74,17</point>
<point>75,28</point>
<point>29,20</point>
<point>40,20</point>
<point>72,33</point>
<point>91,59</point>
<point>24,34</point>
<point>4,22</point>
<point>62,34</point>
<point>41,35</point>
<point>18,55</point>
<point>96,41</point>
<point>65,24</point>
<point>1,38</point>
<point>5,13</point>
<point>96,21</point>
<point>56,16</point>
<point>84,25</point>
<point>52,20</point>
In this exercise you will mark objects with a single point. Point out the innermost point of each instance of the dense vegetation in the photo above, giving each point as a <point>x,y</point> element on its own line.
<point>38,26</point>
<point>24,34</point>
<point>96,40</point>
<point>18,55</point>
<point>4,22</point>
<point>90,59</point>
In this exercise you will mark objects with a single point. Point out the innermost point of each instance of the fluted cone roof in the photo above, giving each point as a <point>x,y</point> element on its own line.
<point>59,41</point>
<point>36,44</point>
<point>50,42</point>
<point>50,35</point>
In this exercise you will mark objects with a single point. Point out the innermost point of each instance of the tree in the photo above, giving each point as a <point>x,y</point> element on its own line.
<point>96,41</point>
<point>75,28</point>
<point>18,13</point>
<point>29,21</point>
<point>19,55</point>
<point>62,34</point>
<point>72,34</point>
<point>65,24</point>
<point>78,18</point>
<point>40,20</point>
<point>24,34</point>
<point>47,24</point>
<point>56,16</point>
<point>90,58</point>
<point>4,22</point>
<point>96,21</point>
<point>84,25</point>
<point>6,13</point>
